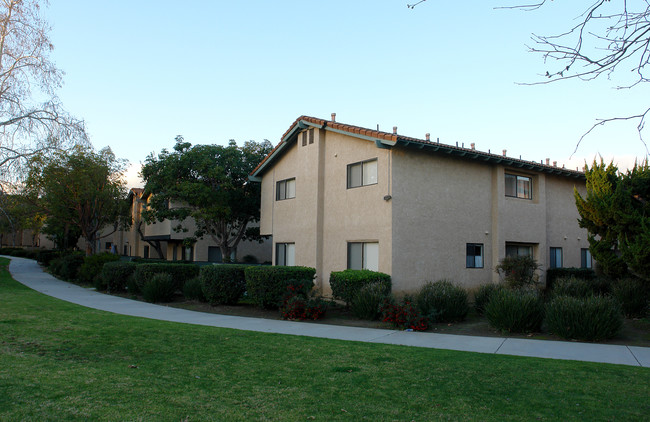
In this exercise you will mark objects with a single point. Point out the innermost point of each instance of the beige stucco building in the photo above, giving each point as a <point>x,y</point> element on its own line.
<point>337,196</point>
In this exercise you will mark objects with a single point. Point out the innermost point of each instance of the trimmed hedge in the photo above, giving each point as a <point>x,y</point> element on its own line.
<point>553,274</point>
<point>515,311</point>
<point>92,266</point>
<point>442,301</point>
<point>159,288</point>
<point>347,284</point>
<point>46,256</point>
<point>67,266</point>
<point>115,275</point>
<point>268,286</point>
<point>193,290</point>
<point>223,284</point>
<point>589,318</point>
<point>180,273</point>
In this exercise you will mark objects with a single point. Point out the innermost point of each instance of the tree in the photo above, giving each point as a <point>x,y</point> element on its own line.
<point>29,127</point>
<point>616,212</point>
<point>18,214</point>
<point>209,185</point>
<point>83,190</point>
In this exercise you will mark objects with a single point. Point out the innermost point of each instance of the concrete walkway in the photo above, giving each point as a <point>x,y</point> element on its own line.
<point>29,273</point>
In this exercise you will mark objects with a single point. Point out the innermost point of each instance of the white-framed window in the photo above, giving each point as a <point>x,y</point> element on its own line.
<point>474,257</point>
<point>285,254</point>
<point>585,258</point>
<point>556,258</point>
<point>285,189</point>
<point>518,250</point>
<point>519,186</point>
<point>362,173</point>
<point>363,256</point>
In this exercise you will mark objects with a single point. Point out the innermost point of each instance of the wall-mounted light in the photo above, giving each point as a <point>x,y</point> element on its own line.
<point>387,198</point>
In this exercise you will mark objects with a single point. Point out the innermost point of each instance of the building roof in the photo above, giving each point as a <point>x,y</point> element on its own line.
<point>389,140</point>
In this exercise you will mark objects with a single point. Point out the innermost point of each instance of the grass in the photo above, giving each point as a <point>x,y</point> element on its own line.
<point>60,361</point>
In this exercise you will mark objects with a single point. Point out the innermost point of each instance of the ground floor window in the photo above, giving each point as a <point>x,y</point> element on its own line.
<point>285,254</point>
<point>474,257</point>
<point>519,250</point>
<point>585,258</point>
<point>363,256</point>
<point>556,258</point>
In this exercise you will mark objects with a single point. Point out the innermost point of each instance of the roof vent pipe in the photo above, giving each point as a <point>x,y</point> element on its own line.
<point>428,136</point>
<point>333,117</point>
<point>473,145</point>
<point>394,130</point>
<point>504,152</point>
<point>548,161</point>
<point>554,163</point>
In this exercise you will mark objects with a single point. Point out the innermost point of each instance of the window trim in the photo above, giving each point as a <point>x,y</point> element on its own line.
<point>467,256</point>
<point>284,183</point>
<point>517,177</point>
<point>361,163</point>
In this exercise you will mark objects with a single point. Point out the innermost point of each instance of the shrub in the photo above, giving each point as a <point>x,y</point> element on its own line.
<point>92,266</point>
<point>132,286</point>
<point>298,307</point>
<point>366,304</point>
<point>346,284</point>
<point>483,295</point>
<point>46,256</point>
<point>633,295</point>
<point>584,318</point>
<point>267,286</point>
<point>19,253</point>
<point>249,259</point>
<point>159,288</point>
<point>518,271</point>
<point>574,287</point>
<point>223,284</point>
<point>115,275</point>
<point>404,315</point>
<point>67,266</point>
<point>193,290</point>
<point>515,311</point>
<point>553,274</point>
<point>442,301</point>
<point>180,273</point>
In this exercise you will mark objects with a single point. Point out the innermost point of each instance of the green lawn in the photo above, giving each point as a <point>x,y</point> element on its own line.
<point>60,361</point>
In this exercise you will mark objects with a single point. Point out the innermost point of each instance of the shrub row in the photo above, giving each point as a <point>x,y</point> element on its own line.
<point>553,274</point>
<point>266,287</point>
<point>346,284</point>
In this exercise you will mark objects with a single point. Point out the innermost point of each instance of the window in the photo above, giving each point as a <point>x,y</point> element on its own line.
<point>363,256</point>
<point>285,254</point>
<point>556,258</point>
<point>519,250</point>
<point>108,246</point>
<point>146,252</point>
<point>285,189</point>
<point>519,186</point>
<point>304,139</point>
<point>311,136</point>
<point>362,174</point>
<point>585,258</point>
<point>474,255</point>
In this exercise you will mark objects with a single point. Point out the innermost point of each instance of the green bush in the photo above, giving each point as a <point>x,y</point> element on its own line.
<point>159,288</point>
<point>267,286</point>
<point>633,295</point>
<point>346,284</point>
<point>92,266</point>
<point>223,284</point>
<point>46,256</point>
<point>193,290</point>
<point>115,275</point>
<point>584,318</point>
<point>366,304</point>
<point>67,266</point>
<point>515,311</point>
<point>180,273</point>
<point>298,307</point>
<point>442,301</point>
<point>574,287</point>
<point>132,285</point>
<point>404,315</point>
<point>483,295</point>
<point>518,271</point>
<point>553,274</point>
<point>9,250</point>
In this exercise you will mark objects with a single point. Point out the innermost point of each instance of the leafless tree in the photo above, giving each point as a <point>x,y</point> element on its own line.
<point>31,117</point>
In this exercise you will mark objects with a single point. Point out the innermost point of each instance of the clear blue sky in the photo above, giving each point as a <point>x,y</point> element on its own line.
<point>142,72</point>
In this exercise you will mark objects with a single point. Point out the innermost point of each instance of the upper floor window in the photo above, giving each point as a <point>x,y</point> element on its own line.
<point>474,257</point>
<point>556,258</point>
<point>285,189</point>
<point>585,258</point>
<point>363,256</point>
<point>362,173</point>
<point>519,186</point>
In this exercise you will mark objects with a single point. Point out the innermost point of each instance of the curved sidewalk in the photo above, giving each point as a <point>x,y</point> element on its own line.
<point>29,273</point>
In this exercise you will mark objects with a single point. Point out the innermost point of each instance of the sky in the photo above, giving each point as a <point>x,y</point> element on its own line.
<point>141,73</point>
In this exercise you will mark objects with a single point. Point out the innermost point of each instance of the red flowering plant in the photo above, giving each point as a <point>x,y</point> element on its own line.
<point>296,306</point>
<point>404,315</point>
